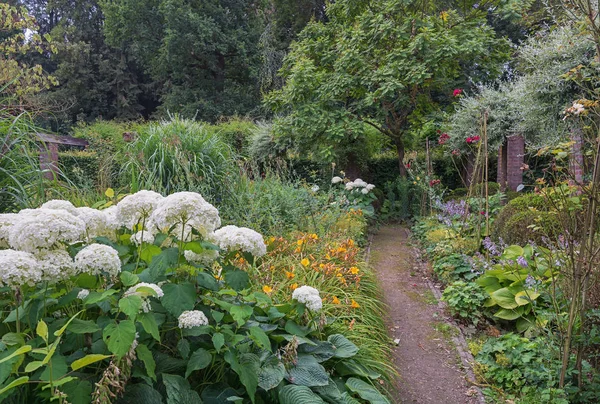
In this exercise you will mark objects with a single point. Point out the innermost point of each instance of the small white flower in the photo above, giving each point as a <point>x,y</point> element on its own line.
<point>45,229</point>
<point>309,296</point>
<point>336,180</point>
<point>135,208</point>
<point>7,220</point>
<point>96,223</point>
<point>140,237</point>
<point>60,204</point>
<point>349,186</point>
<point>233,238</point>
<point>315,188</point>
<point>358,183</point>
<point>364,191</point>
<point>19,268</point>
<point>370,187</point>
<point>83,293</point>
<point>98,258</point>
<point>192,318</point>
<point>56,265</point>
<point>144,294</point>
<point>205,258</point>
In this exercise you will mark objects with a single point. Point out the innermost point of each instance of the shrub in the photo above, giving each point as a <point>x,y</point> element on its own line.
<point>400,200</point>
<point>465,300</point>
<point>453,267</point>
<point>81,167</point>
<point>514,221</point>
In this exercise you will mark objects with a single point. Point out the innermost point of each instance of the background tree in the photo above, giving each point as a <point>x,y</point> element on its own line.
<point>380,63</point>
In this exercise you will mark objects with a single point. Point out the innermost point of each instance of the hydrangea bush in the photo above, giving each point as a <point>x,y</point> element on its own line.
<point>151,300</point>
<point>355,194</point>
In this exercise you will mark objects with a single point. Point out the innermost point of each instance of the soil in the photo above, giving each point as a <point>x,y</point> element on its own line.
<point>427,359</point>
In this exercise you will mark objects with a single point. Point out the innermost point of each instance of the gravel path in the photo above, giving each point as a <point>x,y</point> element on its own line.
<point>426,357</point>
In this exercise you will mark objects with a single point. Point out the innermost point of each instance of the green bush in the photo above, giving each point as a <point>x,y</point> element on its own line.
<point>465,300</point>
<point>81,167</point>
<point>236,132</point>
<point>514,221</point>
<point>453,267</point>
<point>399,200</point>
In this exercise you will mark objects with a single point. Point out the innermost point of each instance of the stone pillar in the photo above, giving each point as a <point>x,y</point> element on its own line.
<point>576,159</point>
<point>501,176</point>
<point>49,160</point>
<point>515,158</point>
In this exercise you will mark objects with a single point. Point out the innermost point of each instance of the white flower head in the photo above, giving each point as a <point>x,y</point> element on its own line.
<point>233,238</point>
<point>358,183</point>
<point>185,211</point>
<point>60,204</point>
<point>315,188</point>
<point>309,296</point>
<point>19,268</point>
<point>98,258</point>
<point>364,191</point>
<point>7,220</point>
<point>135,208</point>
<point>56,265</point>
<point>45,229</point>
<point>140,237</point>
<point>138,290</point>
<point>83,293</point>
<point>370,187</point>
<point>110,214</point>
<point>349,186</point>
<point>192,318</point>
<point>96,223</point>
<point>336,180</point>
<point>206,257</point>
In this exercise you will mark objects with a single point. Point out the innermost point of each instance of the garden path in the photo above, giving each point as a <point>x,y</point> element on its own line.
<point>426,357</point>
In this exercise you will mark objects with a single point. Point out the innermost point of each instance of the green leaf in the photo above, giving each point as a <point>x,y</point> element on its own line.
<point>218,340</point>
<point>292,394</point>
<point>160,264</point>
<point>241,314</point>
<point>344,348</point>
<point>200,359</point>
<point>144,354</point>
<point>22,350</point>
<point>331,393</point>
<point>119,337</point>
<point>149,251</point>
<point>352,367</point>
<point>366,391</point>
<point>260,337</point>
<point>79,392</point>
<point>88,360</point>
<point>207,281</point>
<point>149,324</point>
<point>510,314</point>
<point>183,346</point>
<point>79,326</point>
<point>271,373</point>
<point>178,297</point>
<point>21,380</point>
<point>513,252</point>
<point>131,305</point>
<point>13,338</point>
<point>179,391</point>
<point>42,330</point>
<point>129,279</point>
<point>295,329</point>
<point>526,297</point>
<point>246,366</point>
<point>307,372</point>
<point>60,382</point>
<point>60,332</point>
<point>505,298</point>
<point>237,279</point>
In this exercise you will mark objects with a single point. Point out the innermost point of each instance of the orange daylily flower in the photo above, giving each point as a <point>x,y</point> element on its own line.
<point>289,275</point>
<point>336,300</point>
<point>267,289</point>
<point>305,262</point>
<point>294,286</point>
<point>354,305</point>
<point>354,270</point>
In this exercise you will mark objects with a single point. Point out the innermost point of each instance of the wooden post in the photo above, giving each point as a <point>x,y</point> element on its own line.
<point>576,159</point>
<point>49,160</point>
<point>502,167</point>
<point>515,158</point>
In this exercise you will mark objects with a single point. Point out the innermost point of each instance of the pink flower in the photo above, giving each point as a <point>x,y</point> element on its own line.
<point>443,138</point>
<point>456,152</point>
<point>434,182</point>
<point>457,92</point>
<point>473,139</point>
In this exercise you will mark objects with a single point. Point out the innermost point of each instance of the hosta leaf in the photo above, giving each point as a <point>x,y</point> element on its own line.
<point>119,337</point>
<point>511,314</point>
<point>344,348</point>
<point>353,368</point>
<point>331,393</point>
<point>292,394</point>
<point>178,297</point>
<point>307,372</point>
<point>246,366</point>
<point>179,391</point>
<point>366,391</point>
<point>271,373</point>
<point>200,359</point>
<point>322,351</point>
<point>505,298</point>
<point>525,297</point>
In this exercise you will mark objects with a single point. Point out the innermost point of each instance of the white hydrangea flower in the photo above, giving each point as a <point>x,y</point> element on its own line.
<point>19,268</point>
<point>315,188</point>
<point>364,191</point>
<point>140,237</point>
<point>240,238</point>
<point>7,220</point>
<point>146,307</point>
<point>370,187</point>
<point>192,318</point>
<point>60,204</point>
<point>110,214</point>
<point>56,265</point>
<point>349,186</point>
<point>358,183</point>
<point>205,258</point>
<point>309,296</point>
<point>336,180</point>
<point>133,209</point>
<point>187,209</point>
<point>96,223</point>
<point>44,229</point>
<point>97,258</point>
<point>83,293</point>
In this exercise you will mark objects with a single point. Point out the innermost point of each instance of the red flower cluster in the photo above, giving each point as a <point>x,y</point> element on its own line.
<point>407,165</point>
<point>473,139</point>
<point>457,92</point>
<point>443,138</point>
<point>456,152</point>
<point>434,182</point>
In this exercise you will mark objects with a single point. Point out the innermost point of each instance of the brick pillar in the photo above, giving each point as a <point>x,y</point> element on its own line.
<point>515,158</point>
<point>576,159</point>
<point>501,176</point>
<point>49,160</point>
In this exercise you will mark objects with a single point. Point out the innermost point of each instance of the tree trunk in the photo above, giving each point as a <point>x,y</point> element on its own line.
<point>352,169</point>
<point>400,149</point>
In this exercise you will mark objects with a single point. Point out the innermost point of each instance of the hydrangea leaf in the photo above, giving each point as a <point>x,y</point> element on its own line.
<point>207,281</point>
<point>131,305</point>
<point>179,391</point>
<point>200,359</point>
<point>260,338</point>
<point>246,366</point>
<point>178,297</point>
<point>241,313</point>
<point>145,355</point>
<point>149,323</point>
<point>119,337</point>
<point>237,279</point>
